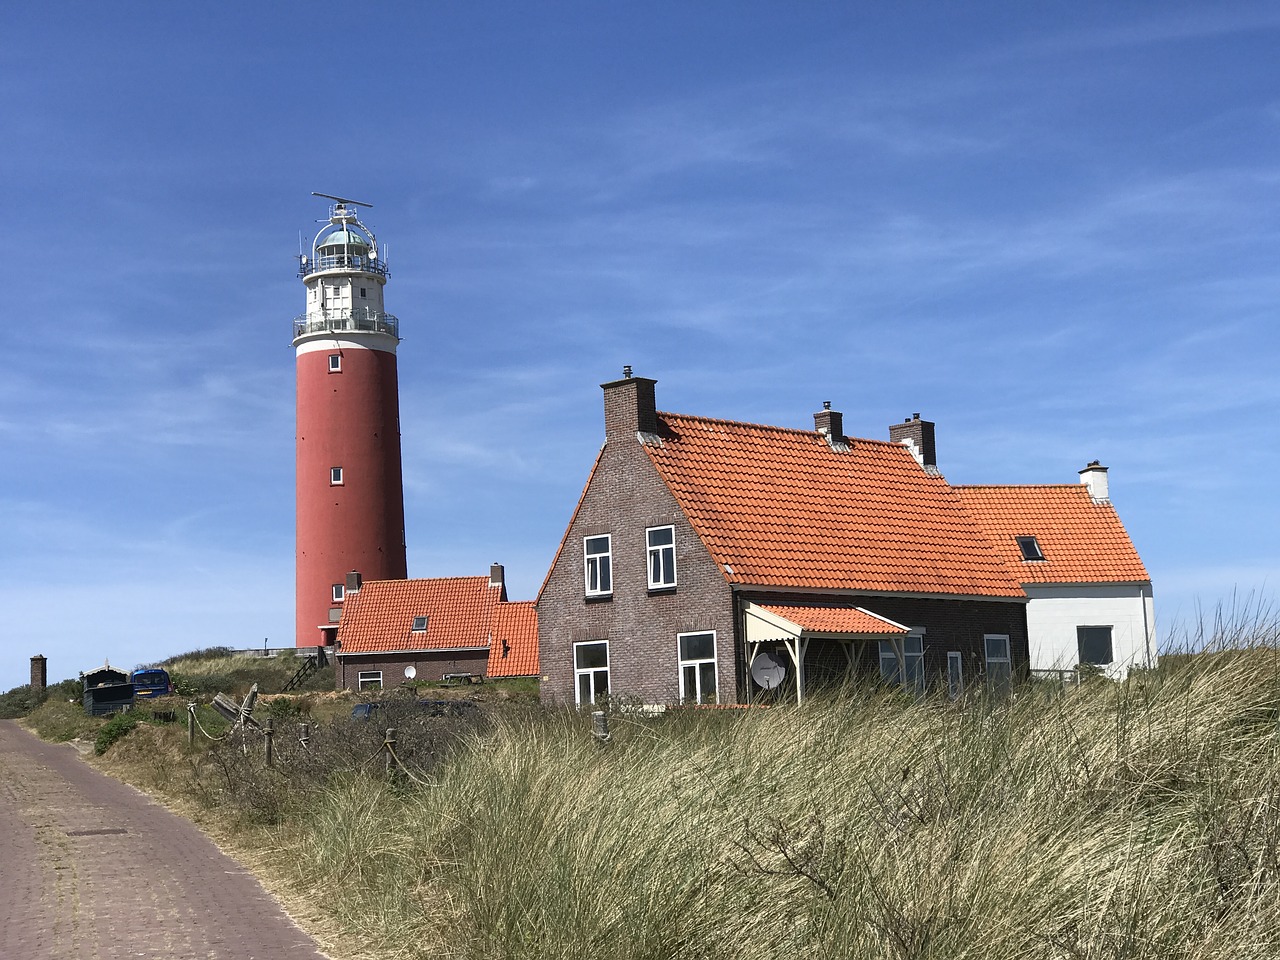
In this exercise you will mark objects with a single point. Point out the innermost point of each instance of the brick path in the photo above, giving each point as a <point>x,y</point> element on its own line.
<point>91,868</point>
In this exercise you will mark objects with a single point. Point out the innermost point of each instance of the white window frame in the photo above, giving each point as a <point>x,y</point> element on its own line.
<point>661,558</point>
<point>369,680</point>
<point>335,363</point>
<point>414,624</point>
<point>1002,673</point>
<point>598,567</point>
<point>339,592</point>
<point>336,477</point>
<point>912,676</point>
<point>692,665</point>
<point>590,674</point>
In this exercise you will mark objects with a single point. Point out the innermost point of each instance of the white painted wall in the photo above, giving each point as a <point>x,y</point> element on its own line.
<point>1057,609</point>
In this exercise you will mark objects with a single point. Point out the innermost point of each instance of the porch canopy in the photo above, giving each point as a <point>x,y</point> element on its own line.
<point>794,625</point>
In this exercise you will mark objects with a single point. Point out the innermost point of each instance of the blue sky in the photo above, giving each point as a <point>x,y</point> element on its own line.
<point>1050,228</point>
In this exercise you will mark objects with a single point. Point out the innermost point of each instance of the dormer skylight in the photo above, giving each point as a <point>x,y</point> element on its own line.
<point>419,625</point>
<point>1030,548</point>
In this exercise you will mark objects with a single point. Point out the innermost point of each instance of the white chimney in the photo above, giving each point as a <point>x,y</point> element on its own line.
<point>1094,476</point>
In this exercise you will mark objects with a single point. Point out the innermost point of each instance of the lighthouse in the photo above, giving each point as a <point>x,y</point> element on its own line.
<point>350,491</point>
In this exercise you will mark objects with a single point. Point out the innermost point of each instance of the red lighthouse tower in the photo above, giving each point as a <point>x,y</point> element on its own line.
<point>350,493</point>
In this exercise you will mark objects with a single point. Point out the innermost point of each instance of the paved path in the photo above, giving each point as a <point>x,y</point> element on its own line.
<point>91,868</point>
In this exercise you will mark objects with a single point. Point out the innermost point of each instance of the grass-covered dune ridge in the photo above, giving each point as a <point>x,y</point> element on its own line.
<point>1134,820</point>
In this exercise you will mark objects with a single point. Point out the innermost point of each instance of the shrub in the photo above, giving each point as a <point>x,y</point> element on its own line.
<point>115,728</point>
<point>17,702</point>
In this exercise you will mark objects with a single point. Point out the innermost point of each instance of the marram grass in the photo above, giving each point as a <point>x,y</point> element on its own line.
<point>1139,820</point>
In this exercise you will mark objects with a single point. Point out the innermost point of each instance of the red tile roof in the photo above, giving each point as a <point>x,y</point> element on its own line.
<point>377,619</point>
<point>514,652</point>
<point>1082,541</point>
<point>778,507</point>
<point>836,620</point>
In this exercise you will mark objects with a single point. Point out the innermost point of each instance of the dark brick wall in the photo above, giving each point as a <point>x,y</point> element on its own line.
<point>949,625</point>
<point>431,665</point>
<point>626,496</point>
<point>39,675</point>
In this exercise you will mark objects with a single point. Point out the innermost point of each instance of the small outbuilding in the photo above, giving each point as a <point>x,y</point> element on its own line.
<point>106,690</point>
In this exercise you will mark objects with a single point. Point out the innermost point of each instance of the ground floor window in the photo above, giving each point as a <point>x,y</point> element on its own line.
<point>1094,644</point>
<point>698,667</point>
<point>591,670</point>
<point>369,680</point>
<point>999,663</point>
<point>955,674</point>
<point>909,673</point>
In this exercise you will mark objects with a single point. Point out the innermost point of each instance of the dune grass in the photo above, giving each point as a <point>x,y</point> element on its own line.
<point>1135,820</point>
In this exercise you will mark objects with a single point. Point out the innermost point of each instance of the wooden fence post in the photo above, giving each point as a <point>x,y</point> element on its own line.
<point>269,732</point>
<point>305,739</point>
<point>191,724</point>
<point>389,745</point>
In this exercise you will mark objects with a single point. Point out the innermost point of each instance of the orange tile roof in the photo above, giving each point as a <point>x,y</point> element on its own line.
<point>779,507</point>
<point>1082,541</point>
<point>514,652</point>
<point>836,619</point>
<point>377,619</point>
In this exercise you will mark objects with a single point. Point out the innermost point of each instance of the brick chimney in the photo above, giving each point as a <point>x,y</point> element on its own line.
<point>1094,476</point>
<point>497,578</point>
<point>828,422</point>
<point>629,406</point>
<point>354,582</point>
<point>39,676</point>
<point>917,436</point>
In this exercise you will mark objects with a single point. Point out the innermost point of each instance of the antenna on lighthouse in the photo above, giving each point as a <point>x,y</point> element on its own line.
<point>329,196</point>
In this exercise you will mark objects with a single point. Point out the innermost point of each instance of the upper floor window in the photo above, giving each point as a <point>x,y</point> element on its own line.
<point>909,671</point>
<point>598,554</point>
<point>339,592</point>
<point>1094,645</point>
<point>662,556</point>
<point>419,625</point>
<point>335,363</point>
<point>1030,548</point>
<point>335,476</point>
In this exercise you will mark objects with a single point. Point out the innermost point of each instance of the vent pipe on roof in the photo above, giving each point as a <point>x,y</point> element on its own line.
<point>917,436</point>
<point>1094,476</point>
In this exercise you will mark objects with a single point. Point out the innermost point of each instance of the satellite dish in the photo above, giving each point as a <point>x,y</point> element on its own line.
<point>768,669</point>
<point>410,672</point>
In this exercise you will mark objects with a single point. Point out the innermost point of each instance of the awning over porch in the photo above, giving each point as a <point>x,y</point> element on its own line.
<point>794,625</point>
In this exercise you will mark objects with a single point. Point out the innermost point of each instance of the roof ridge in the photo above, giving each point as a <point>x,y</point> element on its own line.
<point>771,426</point>
<point>1019,486</point>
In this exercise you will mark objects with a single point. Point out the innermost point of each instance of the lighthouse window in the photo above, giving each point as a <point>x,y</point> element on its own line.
<point>362,293</point>
<point>335,363</point>
<point>335,476</point>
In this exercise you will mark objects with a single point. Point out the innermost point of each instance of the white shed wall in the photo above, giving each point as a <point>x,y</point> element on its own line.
<point>1056,610</point>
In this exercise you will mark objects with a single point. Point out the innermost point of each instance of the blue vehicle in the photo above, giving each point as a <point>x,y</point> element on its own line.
<point>151,682</point>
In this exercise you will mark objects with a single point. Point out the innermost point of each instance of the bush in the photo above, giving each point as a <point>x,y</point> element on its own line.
<point>115,728</point>
<point>17,702</point>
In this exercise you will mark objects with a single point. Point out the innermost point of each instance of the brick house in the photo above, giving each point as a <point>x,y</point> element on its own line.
<point>391,631</point>
<point>717,561</point>
<point>1090,594</point>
